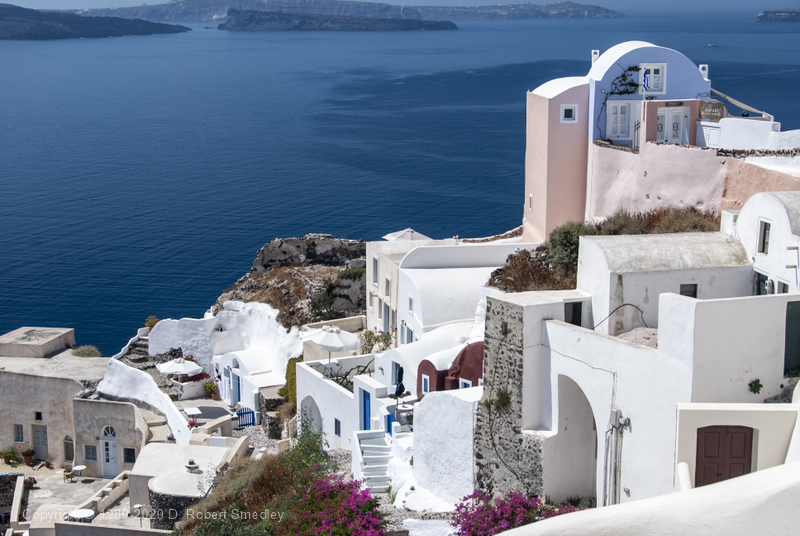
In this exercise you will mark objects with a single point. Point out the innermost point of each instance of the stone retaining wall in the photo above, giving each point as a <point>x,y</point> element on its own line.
<point>166,510</point>
<point>506,458</point>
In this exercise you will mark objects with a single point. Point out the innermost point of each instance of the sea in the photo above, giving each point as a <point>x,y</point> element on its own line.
<point>140,175</point>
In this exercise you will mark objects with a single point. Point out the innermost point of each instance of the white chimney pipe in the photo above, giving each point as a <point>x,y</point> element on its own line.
<point>595,55</point>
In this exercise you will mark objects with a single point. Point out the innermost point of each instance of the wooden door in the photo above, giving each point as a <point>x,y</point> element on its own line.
<point>723,452</point>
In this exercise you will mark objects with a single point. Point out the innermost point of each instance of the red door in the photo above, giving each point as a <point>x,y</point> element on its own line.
<point>723,452</point>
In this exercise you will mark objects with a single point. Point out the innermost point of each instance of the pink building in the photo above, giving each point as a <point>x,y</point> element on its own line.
<point>639,131</point>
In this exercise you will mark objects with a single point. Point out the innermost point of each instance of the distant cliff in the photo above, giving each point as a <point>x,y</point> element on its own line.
<point>205,10</point>
<point>273,21</point>
<point>779,15</point>
<point>20,23</point>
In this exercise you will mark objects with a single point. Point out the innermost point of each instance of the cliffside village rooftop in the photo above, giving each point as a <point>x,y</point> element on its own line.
<point>661,388</point>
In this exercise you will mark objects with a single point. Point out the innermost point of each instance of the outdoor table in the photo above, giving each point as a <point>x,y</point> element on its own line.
<point>192,412</point>
<point>404,407</point>
<point>79,469</point>
<point>83,515</point>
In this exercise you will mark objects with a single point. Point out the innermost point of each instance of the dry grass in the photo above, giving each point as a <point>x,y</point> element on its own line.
<point>525,271</point>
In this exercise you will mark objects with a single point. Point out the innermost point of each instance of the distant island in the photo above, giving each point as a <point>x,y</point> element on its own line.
<point>206,10</point>
<point>779,15</point>
<point>21,23</point>
<point>274,21</point>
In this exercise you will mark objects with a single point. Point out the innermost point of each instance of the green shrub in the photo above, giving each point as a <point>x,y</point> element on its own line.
<point>353,274</point>
<point>563,243</point>
<point>10,452</point>
<point>687,220</point>
<point>289,389</point>
<point>86,351</point>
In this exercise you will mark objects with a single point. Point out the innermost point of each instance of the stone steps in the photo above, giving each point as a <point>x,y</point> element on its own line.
<point>376,454</point>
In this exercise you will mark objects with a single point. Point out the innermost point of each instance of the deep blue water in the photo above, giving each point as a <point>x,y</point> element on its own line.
<point>139,176</point>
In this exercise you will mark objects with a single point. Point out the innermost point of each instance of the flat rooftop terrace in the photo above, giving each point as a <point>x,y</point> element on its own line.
<point>61,365</point>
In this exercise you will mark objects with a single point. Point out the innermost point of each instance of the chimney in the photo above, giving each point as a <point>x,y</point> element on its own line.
<point>595,55</point>
<point>704,70</point>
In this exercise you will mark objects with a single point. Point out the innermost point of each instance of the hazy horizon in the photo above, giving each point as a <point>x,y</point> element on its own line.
<point>628,7</point>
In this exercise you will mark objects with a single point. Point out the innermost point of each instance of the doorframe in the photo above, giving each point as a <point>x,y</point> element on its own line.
<point>44,443</point>
<point>750,460</point>
<point>110,441</point>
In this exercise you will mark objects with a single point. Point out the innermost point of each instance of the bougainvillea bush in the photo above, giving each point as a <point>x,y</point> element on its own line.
<point>333,507</point>
<point>480,515</point>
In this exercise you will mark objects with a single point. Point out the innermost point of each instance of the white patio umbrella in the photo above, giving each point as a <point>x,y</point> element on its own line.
<point>405,234</point>
<point>179,367</point>
<point>332,339</point>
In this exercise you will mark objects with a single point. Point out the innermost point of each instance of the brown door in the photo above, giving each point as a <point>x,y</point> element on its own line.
<point>723,452</point>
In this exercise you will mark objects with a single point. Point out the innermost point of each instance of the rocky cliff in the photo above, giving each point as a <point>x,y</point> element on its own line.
<point>274,21</point>
<point>205,10</point>
<point>316,277</point>
<point>20,23</point>
<point>779,15</point>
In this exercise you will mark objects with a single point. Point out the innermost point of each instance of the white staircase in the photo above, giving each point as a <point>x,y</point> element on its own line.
<point>375,456</point>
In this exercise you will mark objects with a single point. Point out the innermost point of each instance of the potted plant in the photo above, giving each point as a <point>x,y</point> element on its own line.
<point>192,423</point>
<point>27,453</point>
<point>9,455</point>
<point>150,322</point>
<point>212,390</point>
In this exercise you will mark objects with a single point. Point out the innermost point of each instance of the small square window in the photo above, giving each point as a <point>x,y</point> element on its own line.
<point>689,290</point>
<point>89,453</point>
<point>569,113</point>
<point>783,288</point>
<point>464,384</point>
<point>129,456</point>
<point>763,237</point>
<point>18,435</point>
<point>480,382</point>
<point>38,416</point>
<point>337,427</point>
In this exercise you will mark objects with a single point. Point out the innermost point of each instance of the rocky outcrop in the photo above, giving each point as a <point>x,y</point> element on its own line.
<point>205,10</point>
<point>275,21</point>
<point>779,15</point>
<point>305,279</point>
<point>20,23</point>
<point>321,249</point>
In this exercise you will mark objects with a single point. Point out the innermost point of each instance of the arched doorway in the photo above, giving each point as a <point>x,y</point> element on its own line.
<point>570,456</point>
<point>310,410</point>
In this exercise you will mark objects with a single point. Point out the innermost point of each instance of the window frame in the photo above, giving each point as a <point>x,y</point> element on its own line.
<point>426,384</point>
<point>411,305</point>
<point>687,290</point>
<point>125,451</point>
<point>86,458</point>
<point>464,383</point>
<point>662,78</point>
<point>375,266</point>
<point>619,105</point>
<point>574,109</point>
<point>19,433</point>
<point>38,416</point>
<point>764,232</point>
<point>337,427</point>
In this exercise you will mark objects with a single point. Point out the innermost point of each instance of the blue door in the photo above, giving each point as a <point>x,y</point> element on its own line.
<point>389,420</point>
<point>237,390</point>
<point>367,411</point>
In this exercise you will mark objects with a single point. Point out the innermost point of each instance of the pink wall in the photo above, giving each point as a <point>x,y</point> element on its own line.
<point>660,175</point>
<point>743,180</point>
<point>555,163</point>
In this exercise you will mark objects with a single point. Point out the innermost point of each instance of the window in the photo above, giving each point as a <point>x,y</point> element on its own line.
<point>689,290</point>
<point>783,288</point>
<point>464,384</point>
<point>37,416</point>
<point>426,383</point>
<point>480,382</point>
<point>569,113</point>
<point>763,237</point>
<point>337,427</point>
<point>530,202</point>
<point>375,270</point>
<point>18,435</point>
<point>396,368</point>
<point>89,453</point>
<point>129,456</point>
<point>380,309</point>
<point>761,284</point>
<point>653,78</point>
<point>371,297</point>
<point>409,335</point>
<point>108,431</point>
<point>388,289</point>
<point>618,121</point>
<point>411,305</point>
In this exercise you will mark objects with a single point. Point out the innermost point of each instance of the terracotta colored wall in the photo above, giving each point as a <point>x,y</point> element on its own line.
<point>660,175</point>
<point>436,376</point>
<point>469,363</point>
<point>743,180</point>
